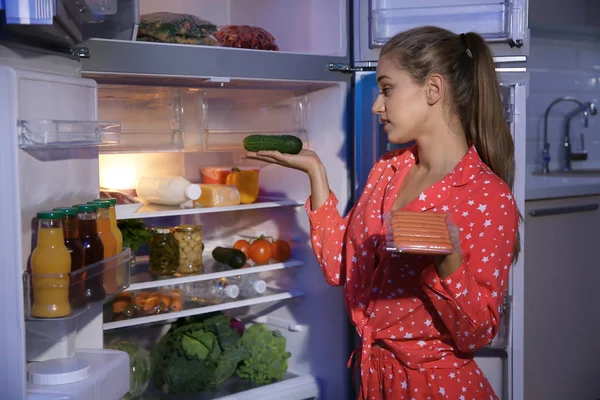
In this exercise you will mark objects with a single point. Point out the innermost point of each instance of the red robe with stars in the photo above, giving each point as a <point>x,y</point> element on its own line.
<point>427,329</point>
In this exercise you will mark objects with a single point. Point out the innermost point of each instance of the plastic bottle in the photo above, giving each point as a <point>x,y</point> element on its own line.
<point>167,190</point>
<point>50,267</point>
<point>93,248</point>
<point>212,290</point>
<point>73,244</point>
<point>109,243</point>
<point>114,228</point>
<point>250,285</point>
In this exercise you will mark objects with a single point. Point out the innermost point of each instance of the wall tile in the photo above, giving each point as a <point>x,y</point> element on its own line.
<point>562,68</point>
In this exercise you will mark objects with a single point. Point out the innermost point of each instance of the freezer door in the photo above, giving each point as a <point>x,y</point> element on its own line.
<point>503,23</point>
<point>370,140</point>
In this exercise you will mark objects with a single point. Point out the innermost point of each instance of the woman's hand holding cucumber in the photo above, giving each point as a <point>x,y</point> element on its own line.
<point>286,150</point>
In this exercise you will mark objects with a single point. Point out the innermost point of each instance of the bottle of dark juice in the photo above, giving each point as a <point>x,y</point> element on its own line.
<point>93,248</point>
<point>72,242</point>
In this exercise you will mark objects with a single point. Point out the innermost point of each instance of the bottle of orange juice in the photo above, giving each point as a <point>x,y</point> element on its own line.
<point>109,242</point>
<point>113,223</point>
<point>50,267</point>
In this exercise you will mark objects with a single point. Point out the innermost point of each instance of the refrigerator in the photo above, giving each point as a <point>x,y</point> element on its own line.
<point>86,106</point>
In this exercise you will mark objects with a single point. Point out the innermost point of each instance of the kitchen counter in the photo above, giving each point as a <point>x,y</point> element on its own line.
<point>538,187</point>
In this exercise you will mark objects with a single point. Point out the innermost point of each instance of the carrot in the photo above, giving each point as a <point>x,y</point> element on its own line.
<point>176,305</point>
<point>140,298</point>
<point>119,305</point>
<point>165,301</point>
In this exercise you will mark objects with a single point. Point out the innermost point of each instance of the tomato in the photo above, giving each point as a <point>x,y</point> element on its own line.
<point>243,246</point>
<point>280,250</point>
<point>260,251</point>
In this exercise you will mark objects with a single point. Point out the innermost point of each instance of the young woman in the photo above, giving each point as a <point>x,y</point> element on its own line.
<point>421,319</point>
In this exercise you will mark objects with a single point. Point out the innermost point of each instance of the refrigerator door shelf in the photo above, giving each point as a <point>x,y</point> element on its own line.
<point>113,274</point>
<point>495,20</point>
<point>109,379</point>
<point>45,133</point>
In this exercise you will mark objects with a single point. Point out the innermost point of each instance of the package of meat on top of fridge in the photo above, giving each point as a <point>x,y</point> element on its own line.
<point>413,232</point>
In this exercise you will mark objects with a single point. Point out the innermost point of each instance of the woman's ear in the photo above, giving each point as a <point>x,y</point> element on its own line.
<point>434,89</point>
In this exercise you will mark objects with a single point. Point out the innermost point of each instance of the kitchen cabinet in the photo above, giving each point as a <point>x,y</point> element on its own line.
<point>562,320</point>
<point>576,16</point>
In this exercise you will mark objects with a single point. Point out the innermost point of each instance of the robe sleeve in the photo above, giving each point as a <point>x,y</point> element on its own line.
<point>327,236</point>
<point>469,301</point>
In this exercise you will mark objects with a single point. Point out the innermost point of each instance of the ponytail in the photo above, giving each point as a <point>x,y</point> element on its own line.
<point>466,63</point>
<point>488,129</point>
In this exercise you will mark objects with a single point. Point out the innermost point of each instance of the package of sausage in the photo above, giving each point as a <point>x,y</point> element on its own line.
<point>413,232</point>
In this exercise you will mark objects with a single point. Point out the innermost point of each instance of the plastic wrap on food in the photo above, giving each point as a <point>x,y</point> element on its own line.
<point>166,27</point>
<point>246,37</point>
<point>120,196</point>
<point>418,233</point>
<point>215,195</point>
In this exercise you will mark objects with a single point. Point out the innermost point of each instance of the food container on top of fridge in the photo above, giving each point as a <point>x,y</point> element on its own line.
<point>425,233</point>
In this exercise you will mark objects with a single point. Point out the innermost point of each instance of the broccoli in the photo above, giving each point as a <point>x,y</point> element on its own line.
<point>268,357</point>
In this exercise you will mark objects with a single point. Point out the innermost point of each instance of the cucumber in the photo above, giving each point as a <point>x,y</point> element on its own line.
<point>235,258</point>
<point>281,143</point>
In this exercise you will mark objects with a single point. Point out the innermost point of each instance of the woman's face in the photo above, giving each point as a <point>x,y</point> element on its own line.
<point>401,103</point>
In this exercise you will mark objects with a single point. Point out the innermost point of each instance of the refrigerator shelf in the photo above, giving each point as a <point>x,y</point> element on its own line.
<point>48,133</point>
<point>291,387</point>
<point>141,278</point>
<point>196,308</point>
<point>155,211</point>
<point>489,18</point>
<point>112,276</point>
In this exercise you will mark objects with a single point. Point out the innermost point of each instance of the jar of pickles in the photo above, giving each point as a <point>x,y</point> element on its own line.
<point>163,251</point>
<point>190,248</point>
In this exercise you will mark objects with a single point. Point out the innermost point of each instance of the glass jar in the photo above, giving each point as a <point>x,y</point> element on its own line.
<point>190,248</point>
<point>163,251</point>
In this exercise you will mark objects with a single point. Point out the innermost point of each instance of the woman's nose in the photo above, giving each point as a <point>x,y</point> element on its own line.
<point>378,107</point>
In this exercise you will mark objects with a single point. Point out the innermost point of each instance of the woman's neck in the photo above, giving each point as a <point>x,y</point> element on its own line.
<point>438,154</point>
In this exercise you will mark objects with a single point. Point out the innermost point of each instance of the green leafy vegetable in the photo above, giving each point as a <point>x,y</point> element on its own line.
<point>268,357</point>
<point>135,234</point>
<point>198,356</point>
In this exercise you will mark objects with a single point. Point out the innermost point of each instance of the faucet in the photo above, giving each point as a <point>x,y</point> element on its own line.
<point>546,151</point>
<point>580,155</point>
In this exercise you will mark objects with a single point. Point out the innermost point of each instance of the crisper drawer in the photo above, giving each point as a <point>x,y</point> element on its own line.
<point>498,21</point>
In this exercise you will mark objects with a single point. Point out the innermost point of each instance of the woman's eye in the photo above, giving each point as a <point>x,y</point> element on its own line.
<point>385,91</point>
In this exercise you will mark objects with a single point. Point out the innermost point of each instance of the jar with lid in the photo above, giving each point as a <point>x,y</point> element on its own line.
<point>190,248</point>
<point>163,252</point>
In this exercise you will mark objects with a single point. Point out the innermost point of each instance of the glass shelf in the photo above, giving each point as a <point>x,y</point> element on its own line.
<point>48,133</point>
<point>85,287</point>
<point>291,386</point>
<point>185,306</point>
<point>141,278</point>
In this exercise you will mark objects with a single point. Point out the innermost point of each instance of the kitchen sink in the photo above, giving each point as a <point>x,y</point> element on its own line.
<point>573,173</point>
